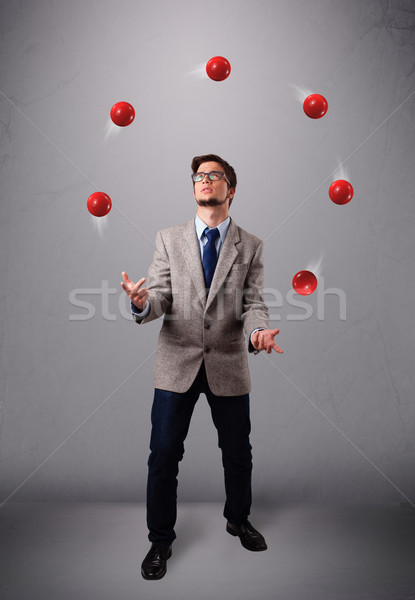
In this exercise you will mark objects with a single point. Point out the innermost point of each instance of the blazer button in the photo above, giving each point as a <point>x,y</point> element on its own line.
<point>207,349</point>
<point>207,326</point>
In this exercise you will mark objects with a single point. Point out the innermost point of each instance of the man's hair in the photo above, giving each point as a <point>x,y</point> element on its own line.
<point>229,171</point>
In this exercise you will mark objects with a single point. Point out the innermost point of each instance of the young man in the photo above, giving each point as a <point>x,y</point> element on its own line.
<point>207,280</point>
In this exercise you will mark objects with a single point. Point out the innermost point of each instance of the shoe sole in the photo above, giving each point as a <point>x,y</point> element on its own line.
<point>245,545</point>
<point>158,576</point>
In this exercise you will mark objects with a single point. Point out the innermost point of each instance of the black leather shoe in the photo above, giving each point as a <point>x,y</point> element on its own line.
<point>154,565</point>
<point>250,538</point>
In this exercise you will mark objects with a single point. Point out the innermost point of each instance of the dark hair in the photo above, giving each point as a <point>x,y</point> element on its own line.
<point>229,171</point>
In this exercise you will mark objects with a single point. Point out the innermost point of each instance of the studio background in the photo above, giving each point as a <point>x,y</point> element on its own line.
<point>333,417</point>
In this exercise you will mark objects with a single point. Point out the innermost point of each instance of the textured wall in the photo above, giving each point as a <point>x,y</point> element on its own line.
<point>333,418</point>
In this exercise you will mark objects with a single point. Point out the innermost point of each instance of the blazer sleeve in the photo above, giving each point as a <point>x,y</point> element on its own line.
<point>255,312</point>
<point>158,284</point>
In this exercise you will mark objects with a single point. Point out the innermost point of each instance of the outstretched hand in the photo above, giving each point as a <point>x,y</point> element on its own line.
<point>137,296</point>
<point>264,340</point>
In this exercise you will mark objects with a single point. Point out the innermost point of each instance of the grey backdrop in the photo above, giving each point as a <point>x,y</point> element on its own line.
<point>333,418</point>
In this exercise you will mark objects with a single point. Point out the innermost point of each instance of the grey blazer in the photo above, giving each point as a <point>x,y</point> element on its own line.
<point>197,326</point>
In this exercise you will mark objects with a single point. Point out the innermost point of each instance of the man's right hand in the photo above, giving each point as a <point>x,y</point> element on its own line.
<point>138,297</point>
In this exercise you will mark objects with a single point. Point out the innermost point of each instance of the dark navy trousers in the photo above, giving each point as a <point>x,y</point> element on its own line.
<point>170,418</point>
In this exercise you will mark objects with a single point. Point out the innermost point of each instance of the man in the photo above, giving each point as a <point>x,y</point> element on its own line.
<point>207,280</point>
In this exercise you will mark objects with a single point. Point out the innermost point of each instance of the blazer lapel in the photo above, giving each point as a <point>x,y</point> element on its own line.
<point>191,255</point>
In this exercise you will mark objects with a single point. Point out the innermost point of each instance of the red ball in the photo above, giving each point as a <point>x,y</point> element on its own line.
<point>304,282</point>
<point>122,114</point>
<point>218,68</point>
<point>341,191</point>
<point>99,204</point>
<point>315,106</point>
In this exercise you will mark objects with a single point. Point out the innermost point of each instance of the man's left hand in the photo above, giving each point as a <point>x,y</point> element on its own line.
<point>264,340</point>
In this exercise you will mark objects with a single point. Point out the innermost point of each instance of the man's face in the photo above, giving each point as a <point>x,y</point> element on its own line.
<point>212,193</point>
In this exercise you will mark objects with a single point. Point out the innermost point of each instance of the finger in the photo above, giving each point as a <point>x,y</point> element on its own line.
<point>140,294</point>
<point>125,277</point>
<point>141,300</point>
<point>140,297</point>
<point>136,286</point>
<point>140,281</point>
<point>126,288</point>
<point>255,340</point>
<point>275,331</point>
<point>278,349</point>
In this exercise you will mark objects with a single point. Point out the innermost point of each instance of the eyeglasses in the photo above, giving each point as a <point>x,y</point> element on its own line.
<point>213,176</point>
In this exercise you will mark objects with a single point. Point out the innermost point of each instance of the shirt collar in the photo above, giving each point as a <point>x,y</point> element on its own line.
<point>222,227</point>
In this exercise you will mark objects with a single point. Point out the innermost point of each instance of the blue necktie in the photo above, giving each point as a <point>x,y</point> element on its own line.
<point>210,257</point>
